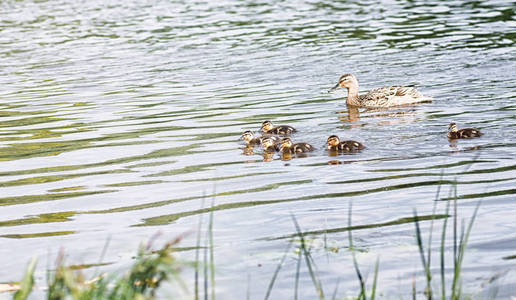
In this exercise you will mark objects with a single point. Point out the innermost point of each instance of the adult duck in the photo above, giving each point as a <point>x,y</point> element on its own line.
<point>380,97</point>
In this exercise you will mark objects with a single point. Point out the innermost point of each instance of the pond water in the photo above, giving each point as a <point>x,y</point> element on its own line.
<point>120,121</point>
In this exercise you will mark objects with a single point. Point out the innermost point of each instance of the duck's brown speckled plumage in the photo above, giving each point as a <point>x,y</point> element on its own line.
<point>335,144</point>
<point>464,133</point>
<point>287,147</point>
<point>379,97</point>
<point>269,128</point>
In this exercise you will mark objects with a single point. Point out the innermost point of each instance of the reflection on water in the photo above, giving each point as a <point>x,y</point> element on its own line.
<point>117,121</point>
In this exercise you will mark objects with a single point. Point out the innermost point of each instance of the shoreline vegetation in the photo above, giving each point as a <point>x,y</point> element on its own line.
<point>153,268</point>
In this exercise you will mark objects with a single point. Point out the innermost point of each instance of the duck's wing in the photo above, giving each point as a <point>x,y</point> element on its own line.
<point>469,132</point>
<point>392,96</point>
<point>283,129</point>
<point>303,147</point>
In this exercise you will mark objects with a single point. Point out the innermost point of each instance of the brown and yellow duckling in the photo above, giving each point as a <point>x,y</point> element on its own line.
<point>287,147</point>
<point>335,144</point>
<point>250,139</point>
<point>270,145</point>
<point>269,128</point>
<point>253,140</point>
<point>464,133</point>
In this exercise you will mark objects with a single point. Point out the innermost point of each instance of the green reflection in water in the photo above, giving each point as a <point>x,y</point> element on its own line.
<point>195,168</point>
<point>229,177</point>
<point>440,166</point>
<point>53,178</point>
<point>66,189</point>
<point>166,202</point>
<point>166,219</point>
<point>442,182</point>
<point>358,227</point>
<point>36,235</point>
<point>16,200</point>
<point>43,218</point>
<point>485,195</point>
<point>135,183</point>
<point>176,151</point>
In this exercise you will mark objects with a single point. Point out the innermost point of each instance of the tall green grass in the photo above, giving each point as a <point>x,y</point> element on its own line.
<point>153,268</point>
<point>150,270</point>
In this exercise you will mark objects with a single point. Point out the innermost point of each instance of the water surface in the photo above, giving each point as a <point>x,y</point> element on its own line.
<point>121,120</point>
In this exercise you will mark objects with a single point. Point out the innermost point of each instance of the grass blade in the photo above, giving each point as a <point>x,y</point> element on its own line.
<point>426,267</point>
<point>362,294</point>
<point>27,282</point>
<point>197,249</point>
<point>276,272</point>
<point>334,296</point>
<point>373,292</point>
<point>212,259</point>
<point>308,260</point>
<point>298,270</point>
<point>443,241</point>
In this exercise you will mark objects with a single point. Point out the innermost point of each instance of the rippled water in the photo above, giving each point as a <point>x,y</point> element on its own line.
<point>117,119</point>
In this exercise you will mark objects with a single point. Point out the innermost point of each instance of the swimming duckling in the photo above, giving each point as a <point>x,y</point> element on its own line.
<point>253,140</point>
<point>455,133</point>
<point>334,144</point>
<point>288,147</point>
<point>379,97</point>
<point>250,139</point>
<point>269,145</point>
<point>267,127</point>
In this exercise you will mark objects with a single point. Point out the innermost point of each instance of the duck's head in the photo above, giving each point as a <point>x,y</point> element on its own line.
<point>345,81</point>
<point>286,143</point>
<point>247,136</point>
<point>267,143</point>
<point>266,126</point>
<point>333,140</point>
<point>453,127</point>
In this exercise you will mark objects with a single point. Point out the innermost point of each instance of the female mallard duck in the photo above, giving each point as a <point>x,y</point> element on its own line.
<point>455,133</point>
<point>334,144</point>
<point>253,140</point>
<point>267,127</point>
<point>287,147</point>
<point>269,145</point>
<point>379,97</point>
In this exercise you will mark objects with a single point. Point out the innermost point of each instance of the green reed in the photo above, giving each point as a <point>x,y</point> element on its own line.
<point>459,250</point>
<point>151,269</point>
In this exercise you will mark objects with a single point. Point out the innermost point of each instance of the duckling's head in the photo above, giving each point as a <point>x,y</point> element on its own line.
<point>346,81</point>
<point>333,140</point>
<point>453,127</point>
<point>267,143</point>
<point>247,135</point>
<point>286,143</point>
<point>266,126</point>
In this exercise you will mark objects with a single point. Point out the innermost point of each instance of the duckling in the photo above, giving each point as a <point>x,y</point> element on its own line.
<point>253,140</point>
<point>267,127</point>
<point>334,144</point>
<point>269,145</point>
<point>250,139</point>
<point>455,133</point>
<point>380,97</point>
<point>288,147</point>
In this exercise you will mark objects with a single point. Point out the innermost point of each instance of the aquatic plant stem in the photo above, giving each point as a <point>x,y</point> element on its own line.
<point>362,294</point>
<point>309,262</point>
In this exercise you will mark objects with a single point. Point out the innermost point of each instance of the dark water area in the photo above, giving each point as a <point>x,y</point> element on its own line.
<point>121,119</point>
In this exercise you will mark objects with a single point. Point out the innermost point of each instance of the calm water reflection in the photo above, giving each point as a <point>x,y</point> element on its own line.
<point>117,119</point>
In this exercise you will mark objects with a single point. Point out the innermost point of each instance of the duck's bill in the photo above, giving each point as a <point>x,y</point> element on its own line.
<point>333,89</point>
